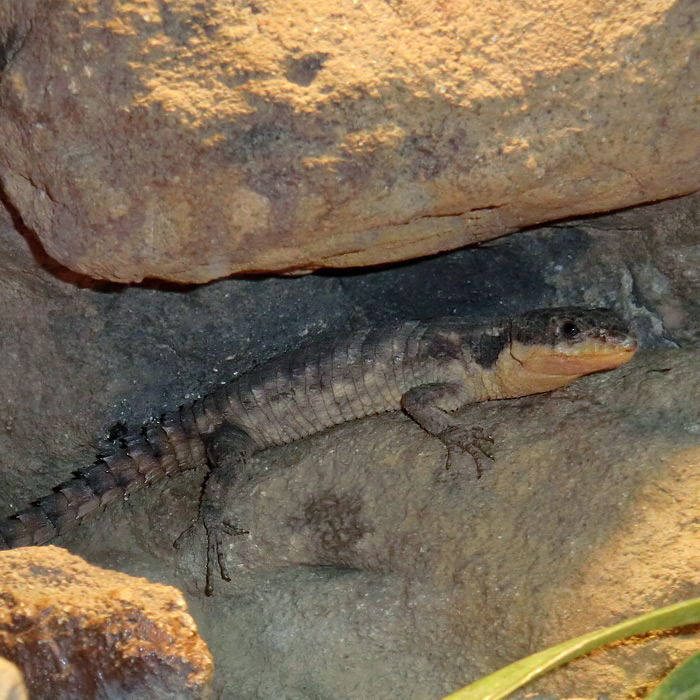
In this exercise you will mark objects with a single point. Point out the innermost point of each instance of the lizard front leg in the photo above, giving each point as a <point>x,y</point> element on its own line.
<point>430,405</point>
<point>228,449</point>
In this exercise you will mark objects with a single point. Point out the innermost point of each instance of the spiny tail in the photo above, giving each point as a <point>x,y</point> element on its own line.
<point>162,449</point>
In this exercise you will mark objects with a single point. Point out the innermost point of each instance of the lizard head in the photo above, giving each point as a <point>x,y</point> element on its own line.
<point>570,341</point>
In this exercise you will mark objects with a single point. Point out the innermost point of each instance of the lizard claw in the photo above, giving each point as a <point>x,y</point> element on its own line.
<point>475,441</point>
<point>215,558</point>
<point>214,554</point>
<point>216,530</point>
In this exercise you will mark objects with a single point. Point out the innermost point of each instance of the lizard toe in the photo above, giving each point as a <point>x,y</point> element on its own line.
<point>218,532</point>
<point>475,441</point>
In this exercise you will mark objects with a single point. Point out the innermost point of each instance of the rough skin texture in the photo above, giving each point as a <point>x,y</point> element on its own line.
<point>428,369</point>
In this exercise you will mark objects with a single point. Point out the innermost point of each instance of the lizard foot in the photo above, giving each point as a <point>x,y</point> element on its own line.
<point>217,531</point>
<point>475,441</point>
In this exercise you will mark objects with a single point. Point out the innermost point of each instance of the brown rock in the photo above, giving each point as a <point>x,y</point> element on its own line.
<point>77,631</point>
<point>188,142</point>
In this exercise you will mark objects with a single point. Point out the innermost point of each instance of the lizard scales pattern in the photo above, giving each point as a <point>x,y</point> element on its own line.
<point>428,368</point>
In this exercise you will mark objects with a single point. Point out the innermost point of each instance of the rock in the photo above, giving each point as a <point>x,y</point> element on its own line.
<point>351,593</point>
<point>11,685</point>
<point>77,631</point>
<point>187,142</point>
<point>399,576</point>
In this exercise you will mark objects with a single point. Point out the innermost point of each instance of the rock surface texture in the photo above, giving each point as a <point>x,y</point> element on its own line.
<point>360,541</point>
<point>188,141</point>
<point>76,631</point>
<point>368,572</point>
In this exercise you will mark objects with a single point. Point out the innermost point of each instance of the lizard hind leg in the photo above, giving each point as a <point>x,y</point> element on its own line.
<point>228,450</point>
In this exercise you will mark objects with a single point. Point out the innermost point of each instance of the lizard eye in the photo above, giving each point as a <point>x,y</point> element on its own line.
<point>569,329</point>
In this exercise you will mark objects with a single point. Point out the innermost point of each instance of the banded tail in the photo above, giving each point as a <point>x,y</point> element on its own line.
<point>164,448</point>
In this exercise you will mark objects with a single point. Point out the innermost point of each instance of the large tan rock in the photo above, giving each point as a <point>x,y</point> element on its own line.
<point>189,141</point>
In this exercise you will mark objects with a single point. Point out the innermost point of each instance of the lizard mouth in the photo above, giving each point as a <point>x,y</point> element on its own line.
<point>592,355</point>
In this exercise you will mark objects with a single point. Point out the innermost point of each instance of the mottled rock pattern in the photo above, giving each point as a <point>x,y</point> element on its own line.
<point>187,141</point>
<point>77,631</point>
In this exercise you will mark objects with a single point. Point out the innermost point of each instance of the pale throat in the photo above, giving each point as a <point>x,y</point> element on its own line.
<point>512,378</point>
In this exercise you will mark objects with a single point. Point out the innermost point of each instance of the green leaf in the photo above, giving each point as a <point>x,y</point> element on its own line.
<point>682,684</point>
<point>508,679</point>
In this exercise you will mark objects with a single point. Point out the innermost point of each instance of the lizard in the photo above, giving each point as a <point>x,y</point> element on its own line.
<point>428,369</point>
